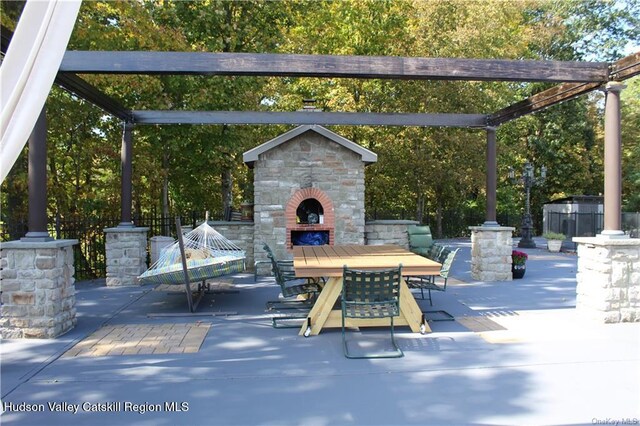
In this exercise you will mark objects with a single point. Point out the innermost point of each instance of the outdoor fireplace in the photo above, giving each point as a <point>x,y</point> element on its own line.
<point>310,218</point>
<point>308,189</point>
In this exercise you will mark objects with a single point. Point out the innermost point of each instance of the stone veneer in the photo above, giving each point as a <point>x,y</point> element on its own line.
<point>491,248</point>
<point>308,160</point>
<point>239,233</point>
<point>38,291</point>
<point>608,278</point>
<point>126,253</point>
<point>379,232</point>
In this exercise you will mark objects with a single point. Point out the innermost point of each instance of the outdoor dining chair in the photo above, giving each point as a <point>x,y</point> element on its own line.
<point>367,295</point>
<point>435,282</point>
<point>290,288</point>
<point>435,251</point>
<point>420,239</point>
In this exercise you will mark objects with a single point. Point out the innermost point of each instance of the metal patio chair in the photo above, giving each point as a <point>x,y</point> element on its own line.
<point>371,294</point>
<point>290,287</point>
<point>435,282</point>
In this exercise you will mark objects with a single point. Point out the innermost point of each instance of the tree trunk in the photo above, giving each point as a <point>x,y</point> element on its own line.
<point>439,220</point>
<point>227,186</point>
<point>165,192</point>
<point>15,216</point>
<point>420,207</point>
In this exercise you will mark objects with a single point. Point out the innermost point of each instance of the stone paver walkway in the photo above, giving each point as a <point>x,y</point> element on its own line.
<point>138,339</point>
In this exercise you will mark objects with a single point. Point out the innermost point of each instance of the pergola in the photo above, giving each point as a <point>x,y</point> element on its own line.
<point>599,278</point>
<point>573,78</point>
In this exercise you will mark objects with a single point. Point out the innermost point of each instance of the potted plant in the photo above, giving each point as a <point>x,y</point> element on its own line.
<point>518,263</point>
<point>554,241</point>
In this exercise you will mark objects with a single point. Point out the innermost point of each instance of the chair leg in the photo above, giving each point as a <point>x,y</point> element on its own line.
<point>291,304</point>
<point>295,324</point>
<point>447,316</point>
<point>397,353</point>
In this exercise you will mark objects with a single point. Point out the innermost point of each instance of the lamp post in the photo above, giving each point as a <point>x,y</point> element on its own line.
<point>528,180</point>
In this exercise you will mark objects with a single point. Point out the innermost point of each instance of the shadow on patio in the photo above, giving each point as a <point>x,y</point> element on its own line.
<point>546,369</point>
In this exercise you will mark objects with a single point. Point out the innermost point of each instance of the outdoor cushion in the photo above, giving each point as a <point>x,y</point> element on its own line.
<point>421,241</point>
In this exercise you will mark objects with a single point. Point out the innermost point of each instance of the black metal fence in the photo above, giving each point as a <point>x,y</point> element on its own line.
<point>90,259</point>
<point>455,223</point>
<point>89,253</point>
<point>588,224</point>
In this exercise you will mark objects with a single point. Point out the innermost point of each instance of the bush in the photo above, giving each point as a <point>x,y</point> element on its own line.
<point>554,236</point>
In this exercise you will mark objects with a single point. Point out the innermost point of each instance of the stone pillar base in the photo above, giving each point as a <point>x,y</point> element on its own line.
<point>491,248</point>
<point>608,277</point>
<point>38,290</point>
<point>126,251</point>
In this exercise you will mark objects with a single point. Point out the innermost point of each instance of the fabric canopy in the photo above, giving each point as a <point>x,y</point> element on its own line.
<point>29,69</point>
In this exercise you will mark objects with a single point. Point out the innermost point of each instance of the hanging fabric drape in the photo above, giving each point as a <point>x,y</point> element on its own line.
<point>29,69</point>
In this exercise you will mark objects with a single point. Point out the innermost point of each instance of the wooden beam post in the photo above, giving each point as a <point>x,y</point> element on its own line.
<point>126,161</point>
<point>492,177</point>
<point>612,161</point>
<point>38,182</point>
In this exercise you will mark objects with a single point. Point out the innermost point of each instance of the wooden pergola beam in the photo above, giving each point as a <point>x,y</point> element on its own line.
<point>324,66</point>
<point>310,117</point>
<point>620,70</point>
<point>76,85</point>
<point>79,87</point>
<point>539,101</point>
<point>625,68</point>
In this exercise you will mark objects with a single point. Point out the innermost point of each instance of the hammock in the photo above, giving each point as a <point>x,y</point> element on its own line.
<point>208,255</point>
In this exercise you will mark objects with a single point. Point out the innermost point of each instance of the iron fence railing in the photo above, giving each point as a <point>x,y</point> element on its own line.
<point>90,259</point>
<point>588,224</point>
<point>455,223</point>
<point>89,253</point>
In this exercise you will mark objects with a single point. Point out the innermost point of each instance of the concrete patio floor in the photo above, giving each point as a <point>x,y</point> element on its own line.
<point>518,354</point>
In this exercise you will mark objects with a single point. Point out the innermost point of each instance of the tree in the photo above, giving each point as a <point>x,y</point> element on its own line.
<point>631,145</point>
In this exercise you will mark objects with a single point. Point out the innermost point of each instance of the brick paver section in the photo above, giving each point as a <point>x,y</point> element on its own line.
<point>138,339</point>
<point>479,324</point>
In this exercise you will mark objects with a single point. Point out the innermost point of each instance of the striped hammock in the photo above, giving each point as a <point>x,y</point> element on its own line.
<point>208,253</point>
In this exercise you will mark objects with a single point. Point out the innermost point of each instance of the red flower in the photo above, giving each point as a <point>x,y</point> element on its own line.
<point>518,257</point>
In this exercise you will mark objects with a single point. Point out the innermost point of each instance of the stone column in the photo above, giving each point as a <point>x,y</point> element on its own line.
<point>38,291</point>
<point>608,279</point>
<point>612,162</point>
<point>126,252</point>
<point>491,248</point>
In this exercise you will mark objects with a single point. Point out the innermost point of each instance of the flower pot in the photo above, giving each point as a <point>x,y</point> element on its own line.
<point>554,245</point>
<point>518,271</point>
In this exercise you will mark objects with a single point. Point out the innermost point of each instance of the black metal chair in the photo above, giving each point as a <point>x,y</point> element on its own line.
<point>285,277</point>
<point>371,294</point>
<point>430,282</point>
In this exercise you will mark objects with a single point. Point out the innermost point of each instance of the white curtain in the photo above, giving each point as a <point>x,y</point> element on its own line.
<point>29,69</point>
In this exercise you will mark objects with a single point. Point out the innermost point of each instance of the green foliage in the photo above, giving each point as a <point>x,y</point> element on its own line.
<point>554,236</point>
<point>630,99</point>
<point>429,174</point>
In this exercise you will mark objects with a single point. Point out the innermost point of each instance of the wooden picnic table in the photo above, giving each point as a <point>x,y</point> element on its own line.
<point>328,261</point>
